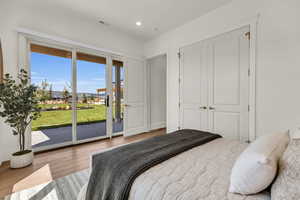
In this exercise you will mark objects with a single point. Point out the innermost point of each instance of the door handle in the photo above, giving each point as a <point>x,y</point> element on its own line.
<point>211,108</point>
<point>107,101</point>
<point>203,107</point>
<point>126,105</point>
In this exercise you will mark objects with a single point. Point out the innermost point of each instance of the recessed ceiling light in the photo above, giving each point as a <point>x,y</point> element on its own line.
<point>138,23</point>
<point>103,22</point>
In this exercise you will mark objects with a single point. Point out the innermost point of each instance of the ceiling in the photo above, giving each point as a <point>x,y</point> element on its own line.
<point>157,16</point>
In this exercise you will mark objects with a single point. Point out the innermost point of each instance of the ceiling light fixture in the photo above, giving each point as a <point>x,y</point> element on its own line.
<point>103,22</point>
<point>138,23</point>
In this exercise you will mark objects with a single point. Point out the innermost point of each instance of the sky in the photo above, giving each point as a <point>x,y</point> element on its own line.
<point>58,71</point>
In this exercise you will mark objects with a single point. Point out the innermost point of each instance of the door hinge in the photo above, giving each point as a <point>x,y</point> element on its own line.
<point>179,80</point>
<point>248,108</point>
<point>178,104</point>
<point>249,72</point>
<point>179,55</point>
<point>178,127</point>
<point>248,35</point>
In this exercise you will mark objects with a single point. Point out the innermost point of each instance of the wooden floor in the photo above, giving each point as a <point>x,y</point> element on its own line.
<point>58,163</point>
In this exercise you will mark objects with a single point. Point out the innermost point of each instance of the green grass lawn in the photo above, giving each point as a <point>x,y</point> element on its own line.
<point>58,118</point>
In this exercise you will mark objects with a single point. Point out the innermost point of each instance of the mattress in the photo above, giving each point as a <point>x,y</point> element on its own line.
<point>202,173</point>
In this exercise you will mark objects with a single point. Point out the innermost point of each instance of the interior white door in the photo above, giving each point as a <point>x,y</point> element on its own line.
<point>135,101</point>
<point>214,85</point>
<point>193,88</point>
<point>228,66</point>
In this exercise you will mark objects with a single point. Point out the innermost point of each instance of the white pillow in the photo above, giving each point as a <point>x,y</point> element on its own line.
<point>256,167</point>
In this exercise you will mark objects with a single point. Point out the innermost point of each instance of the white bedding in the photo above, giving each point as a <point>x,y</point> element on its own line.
<point>202,173</point>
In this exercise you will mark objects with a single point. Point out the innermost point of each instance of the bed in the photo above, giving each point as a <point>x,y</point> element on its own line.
<point>201,173</point>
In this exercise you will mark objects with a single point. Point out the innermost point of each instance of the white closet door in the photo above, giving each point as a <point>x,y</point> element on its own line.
<point>193,88</point>
<point>135,105</point>
<point>228,65</point>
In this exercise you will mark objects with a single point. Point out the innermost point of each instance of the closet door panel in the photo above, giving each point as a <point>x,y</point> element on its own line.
<point>226,72</point>
<point>193,88</point>
<point>134,121</point>
<point>191,119</point>
<point>227,123</point>
<point>228,64</point>
<point>135,82</point>
<point>191,72</point>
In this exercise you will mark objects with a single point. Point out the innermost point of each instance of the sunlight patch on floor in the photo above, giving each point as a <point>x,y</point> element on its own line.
<point>38,137</point>
<point>42,175</point>
<point>44,191</point>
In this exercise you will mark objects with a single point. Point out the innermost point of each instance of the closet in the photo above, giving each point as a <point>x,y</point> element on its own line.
<point>214,85</point>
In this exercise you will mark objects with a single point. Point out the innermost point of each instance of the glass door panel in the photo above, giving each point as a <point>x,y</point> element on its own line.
<point>91,110</point>
<point>117,96</point>
<point>51,72</point>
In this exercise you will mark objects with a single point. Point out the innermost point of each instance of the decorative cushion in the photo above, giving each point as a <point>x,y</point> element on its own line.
<point>287,183</point>
<point>256,167</point>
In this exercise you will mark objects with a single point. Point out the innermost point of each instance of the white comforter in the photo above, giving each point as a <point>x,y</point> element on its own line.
<point>201,173</point>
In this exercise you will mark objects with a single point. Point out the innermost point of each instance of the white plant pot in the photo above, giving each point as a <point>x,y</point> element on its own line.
<point>19,161</point>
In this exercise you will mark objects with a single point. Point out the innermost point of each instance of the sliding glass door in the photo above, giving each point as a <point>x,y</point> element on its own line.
<point>92,96</point>
<point>117,97</point>
<point>51,72</point>
<point>81,95</point>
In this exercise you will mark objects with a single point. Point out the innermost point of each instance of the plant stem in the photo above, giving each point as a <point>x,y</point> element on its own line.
<point>20,141</point>
<point>23,139</point>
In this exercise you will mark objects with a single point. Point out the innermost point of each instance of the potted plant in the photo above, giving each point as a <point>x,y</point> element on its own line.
<point>18,107</point>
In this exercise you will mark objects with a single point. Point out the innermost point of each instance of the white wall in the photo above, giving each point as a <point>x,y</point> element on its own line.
<point>278,58</point>
<point>56,22</point>
<point>157,83</point>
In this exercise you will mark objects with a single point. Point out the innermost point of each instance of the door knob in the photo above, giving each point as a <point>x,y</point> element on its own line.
<point>203,107</point>
<point>211,108</point>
